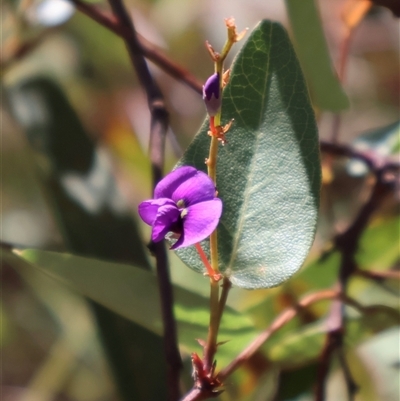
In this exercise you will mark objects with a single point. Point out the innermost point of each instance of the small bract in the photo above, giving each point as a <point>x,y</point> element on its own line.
<point>185,204</point>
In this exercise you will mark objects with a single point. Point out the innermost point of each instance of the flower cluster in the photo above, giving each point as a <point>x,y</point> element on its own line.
<point>185,204</point>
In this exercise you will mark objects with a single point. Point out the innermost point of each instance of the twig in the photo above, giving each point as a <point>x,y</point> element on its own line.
<point>378,275</point>
<point>226,286</point>
<point>334,344</point>
<point>280,321</point>
<point>333,341</point>
<point>374,161</point>
<point>158,130</point>
<point>148,49</point>
<point>352,386</point>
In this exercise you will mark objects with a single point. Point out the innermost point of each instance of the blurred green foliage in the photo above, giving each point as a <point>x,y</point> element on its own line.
<point>75,131</point>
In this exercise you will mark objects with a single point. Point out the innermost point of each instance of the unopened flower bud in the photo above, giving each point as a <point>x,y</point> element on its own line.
<point>212,95</point>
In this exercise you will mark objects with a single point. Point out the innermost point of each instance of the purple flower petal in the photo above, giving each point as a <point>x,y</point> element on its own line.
<point>198,188</point>
<point>149,208</point>
<point>211,87</point>
<point>200,221</point>
<point>166,187</point>
<point>167,217</point>
<point>211,95</point>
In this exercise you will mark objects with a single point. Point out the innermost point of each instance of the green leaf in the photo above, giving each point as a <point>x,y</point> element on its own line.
<point>311,47</point>
<point>298,348</point>
<point>133,293</point>
<point>268,174</point>
<point>379,245</point>
<point>295,383</point>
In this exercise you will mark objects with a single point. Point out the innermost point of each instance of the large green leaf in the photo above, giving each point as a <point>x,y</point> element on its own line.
<point>311,47</point>
<point>268,174</point>
<point>379,245</point>
<point>133,293</point>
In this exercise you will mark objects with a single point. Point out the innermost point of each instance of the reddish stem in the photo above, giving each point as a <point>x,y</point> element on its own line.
<point>212,125</point>
<point>206,263</point>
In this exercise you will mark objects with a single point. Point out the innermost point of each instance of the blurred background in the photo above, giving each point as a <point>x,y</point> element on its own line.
<point>63,74</point>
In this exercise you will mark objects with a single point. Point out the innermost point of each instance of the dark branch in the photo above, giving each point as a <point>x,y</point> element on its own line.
<point>148,49</point>
<point>352,386</point>
<point>374,161</point>
<point>347,244</point>
<point>333,341</point>
<point>197,394</point>
<point>158,130</point>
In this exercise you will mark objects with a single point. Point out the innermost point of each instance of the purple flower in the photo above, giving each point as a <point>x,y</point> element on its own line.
<point>211,95</point>
<point>184,203</point>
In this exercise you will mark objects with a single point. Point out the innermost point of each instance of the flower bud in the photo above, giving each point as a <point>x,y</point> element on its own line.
<point>212,95</point>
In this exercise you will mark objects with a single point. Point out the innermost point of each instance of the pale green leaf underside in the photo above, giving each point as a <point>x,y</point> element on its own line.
<point>268,173</point>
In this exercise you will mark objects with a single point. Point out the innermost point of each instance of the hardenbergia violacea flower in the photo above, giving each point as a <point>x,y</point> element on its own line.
<point>185,204</point>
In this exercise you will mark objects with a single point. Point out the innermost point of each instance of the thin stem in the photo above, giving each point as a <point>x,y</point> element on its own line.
<point>333,341</point>
<point>379,275</point>
<point>171,350</point>
<point>216,308</point>
<point>215,315</point>
<point>226,286</point>
<point>351,385</point>
<point>214,252</point>
<point>212,158</point>
<point>211,345</point>
<point>216,305</point>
